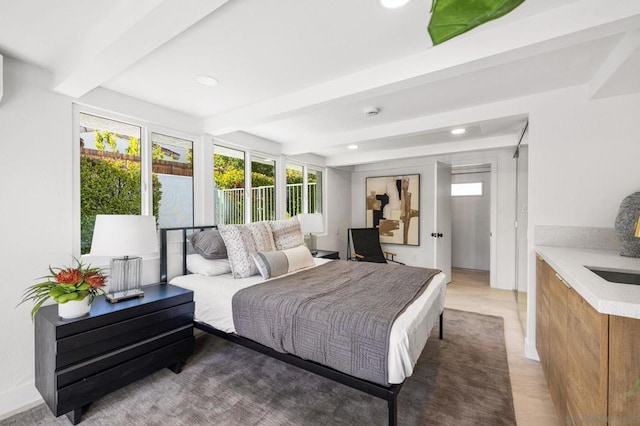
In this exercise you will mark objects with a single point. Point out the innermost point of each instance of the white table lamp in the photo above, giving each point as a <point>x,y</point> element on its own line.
<point>123,238</point>
<point>311,223</point>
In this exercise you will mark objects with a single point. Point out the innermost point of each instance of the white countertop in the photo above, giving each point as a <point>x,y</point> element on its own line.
<point>606,297</point>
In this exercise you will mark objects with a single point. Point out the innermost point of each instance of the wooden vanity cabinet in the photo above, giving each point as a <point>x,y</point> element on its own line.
<point>624,371</point>
<point>542,314</point>
<point>574,353</point>
<point>558,294</point>
<point>587,364</point>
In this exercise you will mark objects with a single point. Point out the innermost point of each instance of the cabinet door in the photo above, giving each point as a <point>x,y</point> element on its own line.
<point>587,362</point>
<point>542,313</point>
<point>624,371</point>
<point>558,343</point>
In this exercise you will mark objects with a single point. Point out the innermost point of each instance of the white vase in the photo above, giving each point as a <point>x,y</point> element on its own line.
<point>74,308</point>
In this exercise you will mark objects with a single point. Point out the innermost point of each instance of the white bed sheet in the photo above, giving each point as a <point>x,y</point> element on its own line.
<point>409,332</point>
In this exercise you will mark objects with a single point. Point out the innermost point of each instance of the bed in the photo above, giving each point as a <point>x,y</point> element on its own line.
<point>214,314</point>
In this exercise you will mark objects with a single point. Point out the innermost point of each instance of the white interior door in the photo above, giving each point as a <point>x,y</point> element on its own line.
<point>441,233</point>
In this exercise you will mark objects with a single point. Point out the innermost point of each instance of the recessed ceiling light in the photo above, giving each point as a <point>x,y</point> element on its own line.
<point>393,4</point>
<point>352,146</point>
<point>207,80</point>
<point>458,131</point>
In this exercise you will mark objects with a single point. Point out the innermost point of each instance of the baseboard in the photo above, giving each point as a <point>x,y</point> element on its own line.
<point>19,399</point>
<point>530,350</point>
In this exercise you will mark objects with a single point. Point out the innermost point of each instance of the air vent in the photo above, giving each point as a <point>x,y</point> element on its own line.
<point>371,111</point>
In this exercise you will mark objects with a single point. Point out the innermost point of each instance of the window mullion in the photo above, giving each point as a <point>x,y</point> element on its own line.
<point>146,149</point>
<point>281,188</point>
<point>247,187</point>
<point>305,190</point>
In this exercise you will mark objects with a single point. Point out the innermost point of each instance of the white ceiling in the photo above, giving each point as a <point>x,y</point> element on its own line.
<point>301,72</point>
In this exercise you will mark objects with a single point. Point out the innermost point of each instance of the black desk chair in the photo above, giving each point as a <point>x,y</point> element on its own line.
<point>366,246</point>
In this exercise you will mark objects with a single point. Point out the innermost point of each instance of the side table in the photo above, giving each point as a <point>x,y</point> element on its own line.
<point>82,359</point>
<point>326,254</point>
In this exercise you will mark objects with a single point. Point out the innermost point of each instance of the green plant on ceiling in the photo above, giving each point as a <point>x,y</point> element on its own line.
<point>450,18</point>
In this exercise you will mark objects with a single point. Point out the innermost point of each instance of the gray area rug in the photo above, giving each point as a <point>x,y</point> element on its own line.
<point>461,380</point>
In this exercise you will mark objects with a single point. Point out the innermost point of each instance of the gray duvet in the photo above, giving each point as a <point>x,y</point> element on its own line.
<point>338,314</point>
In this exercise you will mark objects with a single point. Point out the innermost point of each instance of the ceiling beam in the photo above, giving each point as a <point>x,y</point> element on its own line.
<point>576,23</point>
<point>121,39</point>
<point>425,124</point>
<point>625,52</point>
<point>352,159</point>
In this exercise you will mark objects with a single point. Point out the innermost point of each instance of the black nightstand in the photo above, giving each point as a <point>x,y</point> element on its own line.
<point>326,254</point>
<point>82,359</point>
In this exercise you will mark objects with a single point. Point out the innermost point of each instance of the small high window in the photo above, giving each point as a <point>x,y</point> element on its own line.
<point>466,189</point>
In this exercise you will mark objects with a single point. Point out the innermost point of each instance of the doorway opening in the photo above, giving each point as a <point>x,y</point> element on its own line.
<point>471,222</point>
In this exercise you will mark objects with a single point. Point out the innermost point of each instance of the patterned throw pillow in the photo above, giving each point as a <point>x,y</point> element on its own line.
<point>287,233</point>
<point>262,236</point>
<point>240,247</point>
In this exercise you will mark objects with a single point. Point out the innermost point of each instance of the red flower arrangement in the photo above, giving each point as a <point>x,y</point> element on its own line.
<point>65,284</point>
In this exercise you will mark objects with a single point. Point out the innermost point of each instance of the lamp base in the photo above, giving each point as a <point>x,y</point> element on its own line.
<point>124,295</point>
<point>124,280</point>
<point>311,242</point>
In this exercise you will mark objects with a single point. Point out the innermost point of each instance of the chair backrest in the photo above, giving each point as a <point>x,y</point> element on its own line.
<point>366,243</point>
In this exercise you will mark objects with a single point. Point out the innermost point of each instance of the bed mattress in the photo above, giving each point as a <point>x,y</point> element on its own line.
<point>408,336</point>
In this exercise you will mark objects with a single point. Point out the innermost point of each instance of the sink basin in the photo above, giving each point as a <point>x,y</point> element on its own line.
<point>620,276</point>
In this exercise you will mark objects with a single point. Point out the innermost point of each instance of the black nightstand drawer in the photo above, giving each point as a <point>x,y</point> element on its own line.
<point>99,364</point>
<point>94,387</point>
<point>102,340</point>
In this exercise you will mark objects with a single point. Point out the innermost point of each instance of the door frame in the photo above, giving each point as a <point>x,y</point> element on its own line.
<point>439,242</point>
<point>493,212</point>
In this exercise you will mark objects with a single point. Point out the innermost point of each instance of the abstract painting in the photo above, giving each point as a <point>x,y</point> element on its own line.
<point>393,204</point>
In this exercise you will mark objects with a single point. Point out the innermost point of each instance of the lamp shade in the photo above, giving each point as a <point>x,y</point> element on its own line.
<point>311,222</point>
<point>124,235</point>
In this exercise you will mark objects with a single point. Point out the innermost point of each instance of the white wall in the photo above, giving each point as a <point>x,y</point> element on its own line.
<point>35,213</point>
<point>338,214</point>
<point>522,213</point>
<point>583,160</point>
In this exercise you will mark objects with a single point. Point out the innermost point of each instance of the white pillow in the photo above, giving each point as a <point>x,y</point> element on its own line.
<point>272,264</point>
<point>197,264</point>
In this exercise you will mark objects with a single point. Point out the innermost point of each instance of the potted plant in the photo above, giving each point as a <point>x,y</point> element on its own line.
<point>73,288</point>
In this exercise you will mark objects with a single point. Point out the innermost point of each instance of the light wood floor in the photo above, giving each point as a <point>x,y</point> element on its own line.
<point>470,291</point>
